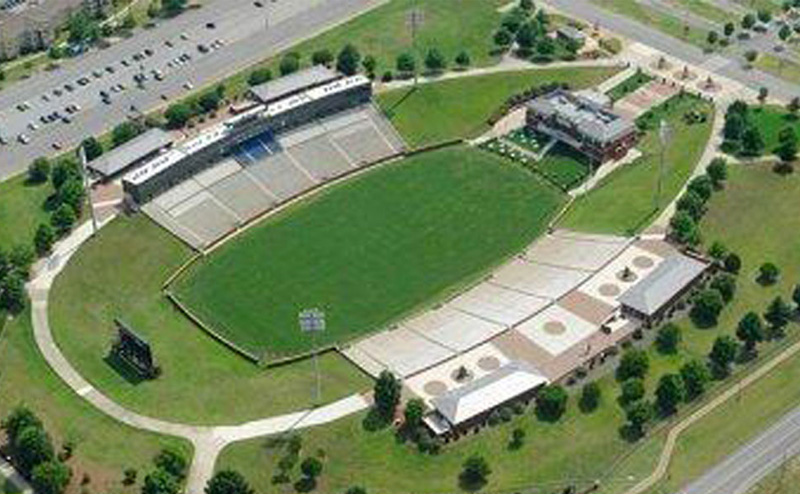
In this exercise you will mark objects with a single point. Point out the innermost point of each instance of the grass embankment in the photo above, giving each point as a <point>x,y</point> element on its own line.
<point>629,85</point>
<point>119,274</point>
<point>459,108</point>
<point>369,251</point>
<point>103,446</point>
<point>22,209</point>
<point>785,69</point>
<point>624,201</point>
<point>756,204</point>
<point>770,120</point>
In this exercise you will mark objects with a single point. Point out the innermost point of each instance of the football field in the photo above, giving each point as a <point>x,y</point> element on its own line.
<point>369,251</point>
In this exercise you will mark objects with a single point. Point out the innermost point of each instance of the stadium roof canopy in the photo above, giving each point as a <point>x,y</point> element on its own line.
<point>663,284</point>
<point>120,158</point>
<point>293,83</point>
<point>487,392</point>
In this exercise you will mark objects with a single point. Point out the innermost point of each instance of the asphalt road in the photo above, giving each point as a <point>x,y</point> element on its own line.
<point>721,64</point>
<point>249,34</point>
<point>745,468</point>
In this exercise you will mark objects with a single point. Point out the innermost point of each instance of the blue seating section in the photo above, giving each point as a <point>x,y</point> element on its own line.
<point>256,149</point>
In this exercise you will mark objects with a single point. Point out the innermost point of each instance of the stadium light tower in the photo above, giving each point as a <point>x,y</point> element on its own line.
<point>87,188</point>
<point>664,136</point>
<point>313,321</point>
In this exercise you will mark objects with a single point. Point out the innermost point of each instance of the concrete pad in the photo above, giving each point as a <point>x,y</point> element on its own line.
<point>193,200</point>
<point>556,329</point>
<point>281,176</point>
<point>242,195</point>
<point>608,284</point>
<point>301,135</point>
<point>363,145</point>
<point>495,303</point>
<point>177,194</point>
<point>163,218</point>
<point>363,361</point>
<point>575,253</point>
<point>538,279</point>
<point>320,158</point>
<point>478,362</point>
<point>403,352</point>
<point>208,220</point>
<point>587,307</point>
<point>212,175</point>
<point>344,119</point>
<point>453,329</point>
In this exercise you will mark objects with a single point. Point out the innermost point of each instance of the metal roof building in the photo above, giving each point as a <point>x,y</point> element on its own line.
<point>139,148</point>
<point>662,285</point>
<point>293,83</point>
<point>485,393</point>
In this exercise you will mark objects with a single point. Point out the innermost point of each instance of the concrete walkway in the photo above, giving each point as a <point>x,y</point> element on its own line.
<point>208,441</point>
<point>9,474</point>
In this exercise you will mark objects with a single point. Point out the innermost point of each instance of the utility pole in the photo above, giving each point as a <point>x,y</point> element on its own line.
<point>313,321</point>
<point>414,21</point>
<point>86,187</point>
<point>663,137</point>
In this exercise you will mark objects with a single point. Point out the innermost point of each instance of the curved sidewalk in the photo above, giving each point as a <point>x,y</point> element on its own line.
<point>208,441</point>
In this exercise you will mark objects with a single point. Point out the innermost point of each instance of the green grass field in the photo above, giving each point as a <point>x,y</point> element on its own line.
<point>119,274</point>
<point>668,24</point>
<point>548,458</point>
<point>624,201</point>
<point>458,108</point>
<point>103,447</point>
<point>369,251</point>
<point>21,210</point>
<point>771,120</point>
<point>564,166</point>
<point>629,85</point>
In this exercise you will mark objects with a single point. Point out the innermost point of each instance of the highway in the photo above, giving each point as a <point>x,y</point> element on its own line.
<point>746,467</point>
<point>234,35</point>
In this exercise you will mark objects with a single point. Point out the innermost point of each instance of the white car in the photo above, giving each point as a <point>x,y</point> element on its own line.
<point>188,85</point>
<point>33,126</point>
<point>23,139</point>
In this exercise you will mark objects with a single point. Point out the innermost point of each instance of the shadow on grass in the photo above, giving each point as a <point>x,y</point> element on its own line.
<point>390,111</point>
<point>375,421</point>
<point>123,369</point>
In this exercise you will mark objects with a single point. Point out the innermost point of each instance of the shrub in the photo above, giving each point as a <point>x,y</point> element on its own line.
<point>668,338</point>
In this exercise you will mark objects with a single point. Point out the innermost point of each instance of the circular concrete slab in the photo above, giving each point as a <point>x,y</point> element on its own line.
<point>554,328</point>
<point>435,388</point>
<point>643,262</point>
<point>609,290</point>
<point>488,363</point>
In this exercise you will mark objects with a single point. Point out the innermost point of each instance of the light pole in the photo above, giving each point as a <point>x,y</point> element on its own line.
<point>313,321</point>
<point>664,132</point>
<point>85,174</point>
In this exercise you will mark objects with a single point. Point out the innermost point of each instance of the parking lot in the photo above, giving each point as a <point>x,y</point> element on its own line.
<point>55,110</point>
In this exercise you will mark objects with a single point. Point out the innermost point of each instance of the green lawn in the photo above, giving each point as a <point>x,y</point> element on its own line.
<point>707,9</point>
<point>448,25</point>
<point>103,447</point>
<point>548,458</point>
<point>371,250</point>
<point>787,70</point>
<point>21,210</point>
<point>564,166</point>
<point>624,201</point>
<point>629,85</point>
<point>668,24</point>
<point>771,120</point>
<point>783,480</point>
<point>119,274</point>
<point>459,108</point>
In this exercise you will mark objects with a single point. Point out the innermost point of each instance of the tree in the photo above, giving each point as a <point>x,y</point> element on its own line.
<point>632,390</point>
<point>356,489</point>
<point>415,409</point>
<point>503,38</point>
<point>712,37</point>
<point>718,251</point>
<point>20,259</point>
<point>751,56</point>
<point>322,57</point>
<point>729,28</point>
<point>590,396</point>
<point>463,60</point>
<point>259,76</point>
<point>750,330</point>
<point>387,393</point>
<point>290,63</point>
<point>735,125</point>
<point>406,63</point>
<point>475,471</point>
<point>748,21</point>
<point>725,284</point>
<point>517,438</point>
<point>63,219</point>
<point>793,107</point>
<point>551,403</point>
<point>39,170</point>
<point>764,15</point>
<point>172,7</point>
<point>669,393</point>
<point>717,171</point>
<point>796,296</point>
<point>32,447</point>
<point>63,171</point>
<point>82,28</point>
<point>72,193</point>
<point>123,133</point>
<point>763,94</point>
<point>228,482</point>
<point>92,148</point>
<point>785,33</point>
<point>778,313</point>
<point>19,419</point>
<point>695,375</point>
<point>723,353</point>
<point>370,64</point>
<point>51,477</point>
<point>311,467</point>
<point>12,293</point>
<point>172,462</point>
<point>633,363</point>
<point>668,338</point>
<point>702,186</point>
<point>545,47</point>
<point>692,204</point>
<point>733,263</point>
<point>160,482</point>
<point>684,228</point>
<point>707,306</point>
<point>435,61</point>
<point>527,36</point>
<point>787,145</point>
<point>44,238</point>
<point>348,60</point>
<point>527,5</point>
<point>177,115</point>
<point>638,414</point>
<point>209,101</point>
<point>768,273</point>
